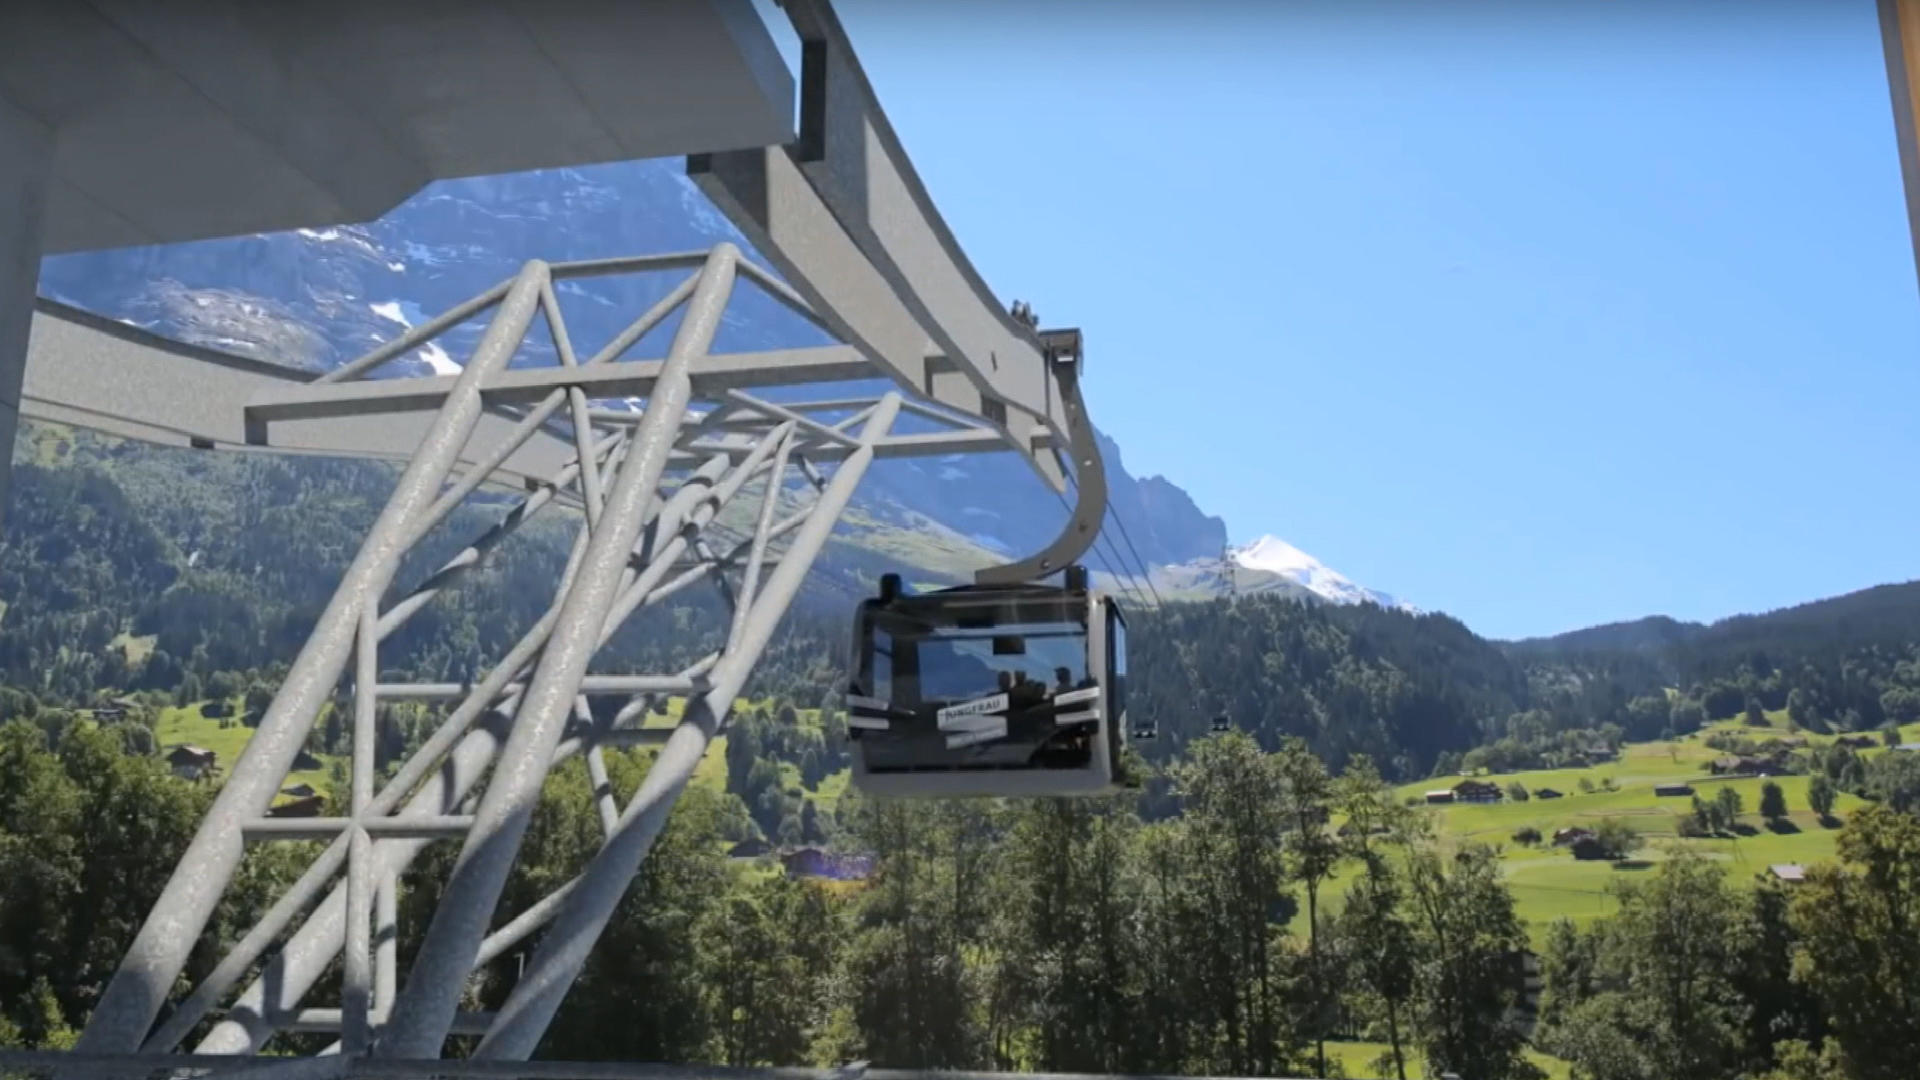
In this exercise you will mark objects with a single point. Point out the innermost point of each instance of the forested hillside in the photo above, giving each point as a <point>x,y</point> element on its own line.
<point>129,567</point>
<point>125,566</point>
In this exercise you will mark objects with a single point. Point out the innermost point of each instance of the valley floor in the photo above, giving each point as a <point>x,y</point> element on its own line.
<point>1549,883</point>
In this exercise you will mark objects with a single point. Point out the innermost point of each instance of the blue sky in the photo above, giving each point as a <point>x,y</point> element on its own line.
<point>1539,314</point>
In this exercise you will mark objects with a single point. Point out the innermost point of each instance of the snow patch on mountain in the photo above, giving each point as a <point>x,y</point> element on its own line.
<point>391,311</point>
<point>435,356</point>
<point>1272,555</point>
<point>1267,567</point>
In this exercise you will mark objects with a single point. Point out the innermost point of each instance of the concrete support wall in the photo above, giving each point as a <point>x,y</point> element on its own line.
<point>25,152</point>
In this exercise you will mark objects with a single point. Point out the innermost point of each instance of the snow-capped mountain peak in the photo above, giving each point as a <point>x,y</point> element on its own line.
<point>1272,555</point>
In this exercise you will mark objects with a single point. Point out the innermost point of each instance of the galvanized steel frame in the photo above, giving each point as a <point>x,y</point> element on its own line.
<point>648,486</point>
<point>872,265</point>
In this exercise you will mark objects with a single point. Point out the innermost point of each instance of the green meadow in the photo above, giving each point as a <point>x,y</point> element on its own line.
<point>1549,883</point>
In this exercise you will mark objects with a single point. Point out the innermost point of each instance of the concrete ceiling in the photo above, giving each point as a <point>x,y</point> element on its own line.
<point>202,118</point>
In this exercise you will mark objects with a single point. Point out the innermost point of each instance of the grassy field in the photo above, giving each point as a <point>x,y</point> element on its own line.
<point>135,649</point>
<point>712,770</point>
<point>178,726</point>
<point>1549,883</point>
<point>190,726</point>
<point>1356,1060</point>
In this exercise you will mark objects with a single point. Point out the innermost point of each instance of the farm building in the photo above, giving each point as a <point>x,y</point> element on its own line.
<point>1668,791</point>
<point>1476,791</point>
<point>1546,793</point>
<point>812,862</point>
<point>115,709</point>
<point>1746,765</point>
<point>1441,796</point>
<point>1855,742</point>
<point>191,762</point>
<point>1792,873</point>
<point>1571,834</point>
<point>1588,848</point>
<point>299,791</point>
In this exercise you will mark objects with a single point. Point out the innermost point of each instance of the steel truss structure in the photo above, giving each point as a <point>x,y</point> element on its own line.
<point>648,486</point>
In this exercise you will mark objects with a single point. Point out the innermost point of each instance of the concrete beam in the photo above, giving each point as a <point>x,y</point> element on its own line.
<point>25,155</point>
<point>773,203</point>
<point>1900,36</point>
<point>96,373</point>
<point>844,217</point>
<point>855,161</point>
<point>204,118</point>
<point>103,375</point>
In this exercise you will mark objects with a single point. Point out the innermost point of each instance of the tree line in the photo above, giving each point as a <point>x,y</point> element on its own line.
<point>1281,907</point>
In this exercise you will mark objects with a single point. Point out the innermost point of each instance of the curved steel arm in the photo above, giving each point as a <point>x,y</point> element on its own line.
<point>1062,352</point>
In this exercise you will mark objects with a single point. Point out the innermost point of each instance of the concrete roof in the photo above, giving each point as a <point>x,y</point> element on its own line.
<point>205,118</point>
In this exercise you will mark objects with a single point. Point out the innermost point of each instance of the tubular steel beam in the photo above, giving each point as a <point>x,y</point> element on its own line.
<point>599,685</point>
<point>306,955</point>
<point>584,912</point>
<point>307,887</point>
<point>424,1010</point>
<point>632,378</point>
<point>133,997</point>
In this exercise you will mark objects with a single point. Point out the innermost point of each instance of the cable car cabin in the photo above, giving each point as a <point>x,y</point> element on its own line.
<point>988,690</point>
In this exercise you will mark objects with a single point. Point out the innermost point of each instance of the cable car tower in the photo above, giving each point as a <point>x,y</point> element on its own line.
<point>854,245</point>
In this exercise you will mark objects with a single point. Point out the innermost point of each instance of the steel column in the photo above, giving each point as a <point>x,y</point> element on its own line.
<point>425,1008</point>
<point>636,548</point>
<point>523,1020</point>
<point>307,954</point>
<point>357,989</point>
<point>132,998</point>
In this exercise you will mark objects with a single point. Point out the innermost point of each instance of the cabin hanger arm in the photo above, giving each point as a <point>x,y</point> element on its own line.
<point>1063,355</point>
